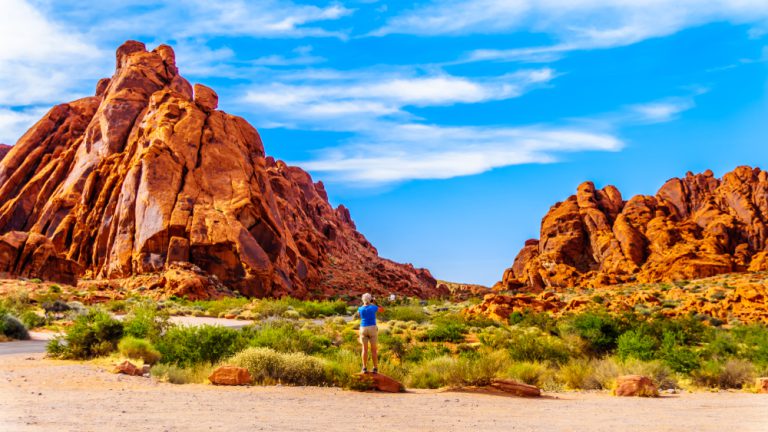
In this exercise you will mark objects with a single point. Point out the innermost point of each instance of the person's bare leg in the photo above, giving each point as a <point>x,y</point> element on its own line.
<point>375,355</point>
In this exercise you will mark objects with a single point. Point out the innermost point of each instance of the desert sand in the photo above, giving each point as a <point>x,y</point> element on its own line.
<point>38,394</point>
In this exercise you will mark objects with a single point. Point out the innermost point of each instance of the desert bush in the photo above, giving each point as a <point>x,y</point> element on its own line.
<point>196,374</point>
<point>447,329</point>
<point>678,357</point>
<point>268,366</point>
<point>12,327</point>
<point>754,343</point>
<point>541,320</point>
<point>579,374</point>
<point>135,348</point>
<point>215,308</point>
<point>146,321</point>
<point>285,336</point>
<point>733,373</point>
<point>533,373</point>
<point>92,335</point>
<point>186,346</point>
<point>32,320</point>
<point>599,330</point>
<point>636,344</point>
<point>404,313</point>
<point>314,309</point>
<point>533,345</point>
<point>462,371</point>
<point>659,372</point>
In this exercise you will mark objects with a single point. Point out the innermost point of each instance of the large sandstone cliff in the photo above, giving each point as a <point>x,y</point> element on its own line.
<point>147,173</point>
<point>696,226</point>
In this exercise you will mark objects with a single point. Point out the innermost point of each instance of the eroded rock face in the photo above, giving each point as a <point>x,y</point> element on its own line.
<point>147,173</point>
<point>4,149</point>
<point>694,227</point>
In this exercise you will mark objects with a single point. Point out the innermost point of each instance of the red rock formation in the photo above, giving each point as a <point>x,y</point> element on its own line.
<point>230,375</point>
<point>694,227</point>
<point>4,149</point>
<point>635,385</point>
<point>148,172</point>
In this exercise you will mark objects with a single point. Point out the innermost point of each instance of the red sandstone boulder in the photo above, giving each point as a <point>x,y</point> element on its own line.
<point>380,382</point>
<point>694,227</point>
<point>33,255</point>
<point>515,388</point>
<point>635,385</point>
<point>147,173</point>
<point>762,385</point>
<point>230,375</point>
<point>128,368</point>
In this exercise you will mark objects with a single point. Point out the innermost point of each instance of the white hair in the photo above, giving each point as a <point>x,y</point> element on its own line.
<point>367,297</point>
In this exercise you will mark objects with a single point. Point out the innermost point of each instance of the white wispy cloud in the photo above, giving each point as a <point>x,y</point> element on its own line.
<point>378,94</point>
<point>391,153</point>
<point>573,25</point>
<point>13,123</point>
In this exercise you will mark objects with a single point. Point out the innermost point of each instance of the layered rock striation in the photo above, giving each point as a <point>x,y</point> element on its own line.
<point>4,149</point>
<point>696,226</point>
<point>147,173</point>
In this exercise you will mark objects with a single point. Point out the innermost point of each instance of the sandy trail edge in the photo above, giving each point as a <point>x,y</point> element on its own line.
<point>47,395</point>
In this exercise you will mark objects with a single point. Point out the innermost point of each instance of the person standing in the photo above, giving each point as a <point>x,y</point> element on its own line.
<point>369,333</point>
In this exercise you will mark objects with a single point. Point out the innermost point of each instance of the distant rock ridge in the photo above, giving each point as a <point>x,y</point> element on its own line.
<point>696,226</point>
<point>147,172</point>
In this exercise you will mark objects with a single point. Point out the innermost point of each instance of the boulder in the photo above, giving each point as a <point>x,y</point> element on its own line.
<point>147,174</point>
<point>230,375</point>
<point>128,368</point>
<point>762,385</point>
<point>635,385</point>
<point>516,388</point>
<point>380,382</point>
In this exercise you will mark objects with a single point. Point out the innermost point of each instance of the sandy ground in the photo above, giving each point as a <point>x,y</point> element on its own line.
<point>37,394</point>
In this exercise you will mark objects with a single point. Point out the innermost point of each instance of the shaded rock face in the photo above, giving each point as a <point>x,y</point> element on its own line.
<point>4,149</point>
<point>147,172</point>
<point>696,226</point>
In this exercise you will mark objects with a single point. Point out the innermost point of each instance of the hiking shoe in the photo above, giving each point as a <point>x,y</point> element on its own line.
<point>364,370</point>
<point>375,370</point>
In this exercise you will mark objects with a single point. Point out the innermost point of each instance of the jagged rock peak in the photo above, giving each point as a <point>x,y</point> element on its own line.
<point>695,226</point>
<point>148,173</point>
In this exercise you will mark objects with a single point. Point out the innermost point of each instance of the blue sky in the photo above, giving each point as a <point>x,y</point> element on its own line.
<point>447,127</point>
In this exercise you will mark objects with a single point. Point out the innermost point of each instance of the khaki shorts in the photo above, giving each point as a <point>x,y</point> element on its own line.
<point>369,334</point>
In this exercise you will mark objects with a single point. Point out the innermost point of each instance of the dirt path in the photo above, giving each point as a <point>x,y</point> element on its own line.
<point>47,395</point>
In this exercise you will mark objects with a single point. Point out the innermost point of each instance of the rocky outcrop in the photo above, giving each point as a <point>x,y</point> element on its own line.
<point>4,149</point>
<point>33,255</point>
<point>696,226</point>
<point>635,385</point>
<point>379,382</point>
<point>147,172</point>
<point>231,376</point>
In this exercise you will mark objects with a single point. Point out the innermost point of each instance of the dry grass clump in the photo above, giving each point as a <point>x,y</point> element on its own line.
<point>268,366</point>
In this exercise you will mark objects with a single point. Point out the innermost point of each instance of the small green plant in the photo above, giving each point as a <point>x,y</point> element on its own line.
<point>405,313</point>
<point>145,320</point>
<point>285,336</point>
<point>599,330</point>
<point>135,348</point>
<point>447,329</point>
<point>197,374</point>
<point>92,335</point>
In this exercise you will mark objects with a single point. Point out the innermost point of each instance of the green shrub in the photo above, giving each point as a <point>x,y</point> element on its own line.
<point>285,336</point>
<point>534,346</point>
<point>678,357</point>
<point>146,321</point>
<point>91,335</point>
<point>314,309</point>
<point>197,374</point>
<point>463,371</point>
<point>268,366</point>
<point>186,346</point>
<point>12,327</point>
<point>599,330</point>
<point>541,320</point>
<point>730,374</point>
<point>447,329</point>
<point>405,313</point>
<point>636,344</point>
<point>32,320</point>
<point>754,343</point>
<point>579,374</point>
<point>533,373</point>
<point>135,348</point>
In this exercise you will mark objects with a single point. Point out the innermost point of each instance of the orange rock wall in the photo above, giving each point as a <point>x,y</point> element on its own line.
<point>696,226</point>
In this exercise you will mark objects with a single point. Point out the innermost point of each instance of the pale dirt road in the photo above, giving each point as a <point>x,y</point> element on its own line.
<point>48,395</point>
